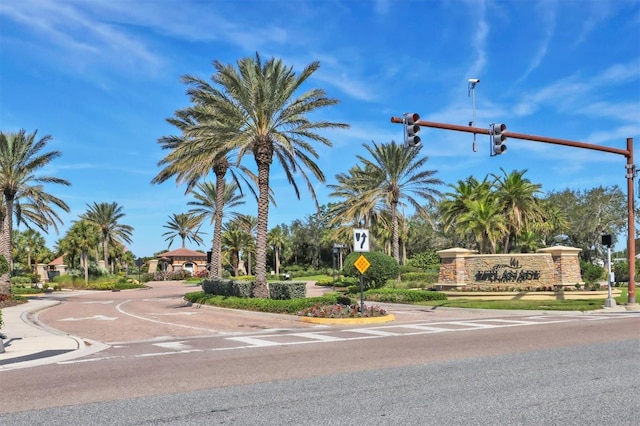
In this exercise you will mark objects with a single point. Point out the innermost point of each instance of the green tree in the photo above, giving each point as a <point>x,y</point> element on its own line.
<point>249,223</point>
<point>193,158</point>
<point>591,213</point>
<point>520,206</point>
<point>84,235</point>
<point>395,175</point>
<point>22,156</point>
<point>185,226</point>
<point>234,241</point>
<point>213,201</point>
<point>107,216</point>
<point>485,221</point>
<point>277,241</point>
<point>255,110</point>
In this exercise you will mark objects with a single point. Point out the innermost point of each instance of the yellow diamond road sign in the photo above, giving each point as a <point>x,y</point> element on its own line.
<point>362,264</point>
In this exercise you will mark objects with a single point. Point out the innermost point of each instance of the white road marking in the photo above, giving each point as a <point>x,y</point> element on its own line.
<point>178,346</point>
<point>95,317</point>
<point>173,313</point>
<point>371,332</point>
<point>122,311</point>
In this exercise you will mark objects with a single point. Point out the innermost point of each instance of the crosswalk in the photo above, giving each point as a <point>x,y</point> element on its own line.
<point>327,334</point>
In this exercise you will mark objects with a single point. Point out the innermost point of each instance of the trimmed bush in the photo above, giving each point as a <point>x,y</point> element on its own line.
<point>382,268</point>
<point>402,296</point>
<point>287,290</point>
<point>423,277</point>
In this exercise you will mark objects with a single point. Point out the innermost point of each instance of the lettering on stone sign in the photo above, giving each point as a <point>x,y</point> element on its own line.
<point>507,273</point>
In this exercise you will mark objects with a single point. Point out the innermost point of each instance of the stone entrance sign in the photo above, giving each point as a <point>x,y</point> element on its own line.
<point>555,267</point>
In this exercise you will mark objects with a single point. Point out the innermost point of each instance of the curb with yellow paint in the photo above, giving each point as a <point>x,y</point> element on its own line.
<point>364,320</point>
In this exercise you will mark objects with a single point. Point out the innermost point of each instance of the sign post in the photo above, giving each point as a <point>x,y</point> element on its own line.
<point>361,244</point>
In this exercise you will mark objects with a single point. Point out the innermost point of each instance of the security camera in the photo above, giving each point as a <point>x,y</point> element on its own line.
<point>474,80</point>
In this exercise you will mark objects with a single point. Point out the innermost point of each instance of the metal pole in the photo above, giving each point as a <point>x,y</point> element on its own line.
<point>362,294</point>
<point>610,302</point>
<point>631,238</point>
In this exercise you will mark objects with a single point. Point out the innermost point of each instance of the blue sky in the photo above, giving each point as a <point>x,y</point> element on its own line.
<point>101,77</point>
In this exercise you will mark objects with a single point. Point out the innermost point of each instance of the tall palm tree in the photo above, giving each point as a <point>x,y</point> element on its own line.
<point>249,223</point>
<point>484,220</point>
<point>355,210</point>
<point>23,193</point>
<point>396,174</point>
<point>234,241</point>
<point>459,202</point>
<point>191,159</point>
<point>84,236</point>
<point>256,110</point>
<point>277,241</point>
<point>183,225</point>
<point>107,216</point>
<point>34,242</point>
<point>214,201</point>
<point>520,205</point>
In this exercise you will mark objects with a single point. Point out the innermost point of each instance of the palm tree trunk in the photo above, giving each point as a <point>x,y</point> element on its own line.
<point>216,250</point>
<point>105,250</point>
<point>394,231</point>
<point>5,243</point>
<point>85,261</point>
<point>261,289</point>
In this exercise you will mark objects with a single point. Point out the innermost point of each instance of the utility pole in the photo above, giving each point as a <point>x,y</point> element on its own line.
<point>630,176</point>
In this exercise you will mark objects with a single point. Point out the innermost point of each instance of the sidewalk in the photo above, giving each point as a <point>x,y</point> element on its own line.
<point>29,343</point>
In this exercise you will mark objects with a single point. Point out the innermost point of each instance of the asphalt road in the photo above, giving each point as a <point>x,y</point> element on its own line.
<point>428,367</point>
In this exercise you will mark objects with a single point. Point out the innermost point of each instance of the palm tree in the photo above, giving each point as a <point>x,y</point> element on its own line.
<point>213,201</point>
<point>249,223</point>
<point>459,202</point>
<point>34,242</point>
<point>234,240</point>
<point>393,174</point>
<point>23,193</point>
<point>519,203</point>
<point>183,225</point>
<point>484,221</point>
<point>277,241</point>
<point>190,160</point>
<point>84,236</point>
<point>106,217</point>
<point>355,210</point>
<point>255,111</point>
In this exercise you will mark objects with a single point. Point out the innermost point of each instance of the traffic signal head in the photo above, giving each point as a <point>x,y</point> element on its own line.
<point>498,138</point>
<point>411,129</point>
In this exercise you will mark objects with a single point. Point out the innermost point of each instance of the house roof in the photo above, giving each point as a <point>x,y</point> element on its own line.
<point>182,252</point>
<point>57,261</point>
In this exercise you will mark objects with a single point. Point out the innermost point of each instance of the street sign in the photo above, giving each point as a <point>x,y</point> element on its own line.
<point>361,240</point>
<point>362,264</point>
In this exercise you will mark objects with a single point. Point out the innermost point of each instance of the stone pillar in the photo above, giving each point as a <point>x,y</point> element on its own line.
<point>153,266</point>
<point>41,270</point>
<point>453,273</point>
<point>566,265</point>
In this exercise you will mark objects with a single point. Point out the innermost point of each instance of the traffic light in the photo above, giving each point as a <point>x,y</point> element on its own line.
<point>411,129</point>
<point>498,137</point>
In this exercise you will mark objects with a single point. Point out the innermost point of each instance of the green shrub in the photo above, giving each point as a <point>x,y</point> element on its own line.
<point>425,261</point>
<point>402,296</point>
<point>20,280</point>
<point>592,273</point>
<point>428,278</point>
<point>344,300</point>
<point>292,306</point>
<point>287,290</point>
<point>382,268</point>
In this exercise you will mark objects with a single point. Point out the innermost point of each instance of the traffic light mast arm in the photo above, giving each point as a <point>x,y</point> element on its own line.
<point>522,136</point>
<point>631,174</point>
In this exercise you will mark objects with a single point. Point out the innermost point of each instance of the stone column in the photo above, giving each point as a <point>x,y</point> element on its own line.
<point>453,273</point>
<point>566,265</point>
